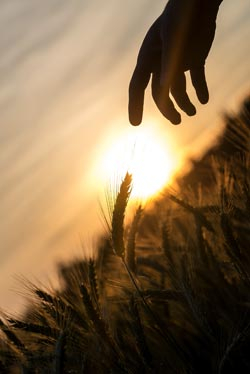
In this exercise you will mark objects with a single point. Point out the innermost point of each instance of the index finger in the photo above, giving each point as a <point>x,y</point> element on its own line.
<point>149,52</point>
<point>137,86</point>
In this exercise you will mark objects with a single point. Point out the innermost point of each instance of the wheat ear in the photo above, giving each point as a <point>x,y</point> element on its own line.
<point>34,328</point>
<point>120,205</point>
<point>12,337</point>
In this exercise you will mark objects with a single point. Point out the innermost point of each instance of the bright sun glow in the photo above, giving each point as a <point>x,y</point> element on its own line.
<point>146,156</point>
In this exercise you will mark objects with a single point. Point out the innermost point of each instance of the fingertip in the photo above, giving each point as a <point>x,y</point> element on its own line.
<point>135,107</point>
<point>191,110</point>
<point>135,121</point>
<point>174,118</point>
<point>204,98</point>
<point>199,82</point>
<point>135,111</point>
<point>177,122</point>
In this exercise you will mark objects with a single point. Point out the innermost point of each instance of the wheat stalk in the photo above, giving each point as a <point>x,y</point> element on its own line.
<point>139,333</point>
<point>93,281</point>
<point>60,354</point>
<point>130,248</point>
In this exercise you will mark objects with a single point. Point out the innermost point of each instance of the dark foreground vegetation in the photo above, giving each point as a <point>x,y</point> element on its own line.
<point>170,293</point>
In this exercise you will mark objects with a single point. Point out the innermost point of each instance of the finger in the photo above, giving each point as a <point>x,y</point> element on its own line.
<point>199,82</point>
<point>137,87</point>
<point>161,97</point>
<point>178,90</point>
<point>148,54</point>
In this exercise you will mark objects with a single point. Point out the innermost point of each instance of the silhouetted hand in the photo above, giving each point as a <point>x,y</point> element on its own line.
<point>178,41</point>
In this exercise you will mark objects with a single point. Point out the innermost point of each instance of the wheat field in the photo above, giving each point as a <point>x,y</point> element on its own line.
<point>167,293</point>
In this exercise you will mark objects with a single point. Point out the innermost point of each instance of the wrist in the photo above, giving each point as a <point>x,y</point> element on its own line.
<point>211,6</point>
<point>206,10</point>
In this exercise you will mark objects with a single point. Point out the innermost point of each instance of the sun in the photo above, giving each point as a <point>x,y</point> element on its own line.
<point>147,156</point>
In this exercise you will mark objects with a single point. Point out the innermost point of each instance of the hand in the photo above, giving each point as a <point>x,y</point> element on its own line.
<point>178,41</point>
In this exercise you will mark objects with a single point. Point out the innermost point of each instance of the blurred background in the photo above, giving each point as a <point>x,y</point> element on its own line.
<point>64,73</point>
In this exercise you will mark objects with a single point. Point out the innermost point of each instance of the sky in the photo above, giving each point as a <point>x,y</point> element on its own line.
<point>64,73</point>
